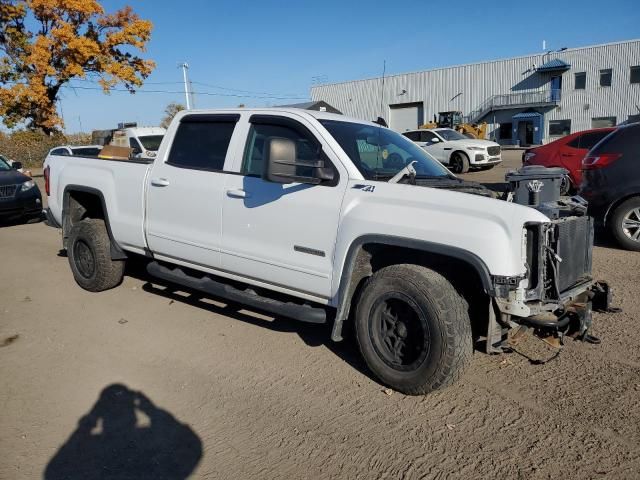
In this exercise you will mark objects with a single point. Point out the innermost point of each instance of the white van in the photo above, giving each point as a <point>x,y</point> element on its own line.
<point>144,141</point>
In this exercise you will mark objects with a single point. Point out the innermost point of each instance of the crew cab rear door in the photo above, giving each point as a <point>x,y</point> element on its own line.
<point>185,191</point>
<point>280,234</point>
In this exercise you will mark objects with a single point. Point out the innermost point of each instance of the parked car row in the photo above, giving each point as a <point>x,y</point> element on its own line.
<point>611,184</point>
<point>566,152</point>
<point>603,167</point>
<point>602,164</point>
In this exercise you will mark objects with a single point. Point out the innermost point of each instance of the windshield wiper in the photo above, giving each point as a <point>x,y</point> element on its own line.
<point>406,171</point>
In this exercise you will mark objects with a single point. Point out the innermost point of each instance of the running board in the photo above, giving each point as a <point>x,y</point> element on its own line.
<point>304,313</point>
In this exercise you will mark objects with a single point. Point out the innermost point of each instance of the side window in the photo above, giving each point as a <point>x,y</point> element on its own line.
<point>414,136</point>
<point>427,137</point>
<point>88,151</point>
<point>588,140</point>
<point>255,153</point>
<point>575,143</point>
<point>133,143</point>
<point>201,145</point>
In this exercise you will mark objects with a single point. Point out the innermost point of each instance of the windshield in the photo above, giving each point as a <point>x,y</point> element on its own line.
<point>381,153</point>
<point>450,134</point>
<point>4,165</point>
<point>151,142</point>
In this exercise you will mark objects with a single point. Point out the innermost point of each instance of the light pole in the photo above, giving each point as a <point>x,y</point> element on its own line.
<point>184,67</point>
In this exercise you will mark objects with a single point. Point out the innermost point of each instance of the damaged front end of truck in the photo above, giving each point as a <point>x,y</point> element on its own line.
<point>557,295</point>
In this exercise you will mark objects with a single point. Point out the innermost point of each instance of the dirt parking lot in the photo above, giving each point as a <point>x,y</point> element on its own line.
<point>144,382</point>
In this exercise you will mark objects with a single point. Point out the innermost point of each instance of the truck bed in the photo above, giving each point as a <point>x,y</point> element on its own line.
<point>120,184</point>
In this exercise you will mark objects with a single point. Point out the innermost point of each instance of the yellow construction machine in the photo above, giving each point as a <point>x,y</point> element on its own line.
<point>454,120</point>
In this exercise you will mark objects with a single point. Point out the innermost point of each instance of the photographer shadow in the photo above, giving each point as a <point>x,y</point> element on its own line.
<point>126,436</point>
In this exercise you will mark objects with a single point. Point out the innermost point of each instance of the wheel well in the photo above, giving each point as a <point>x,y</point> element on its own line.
<point>615,205</point>
<point>465,278</point>
<point>80,204</point>
<point>460,151</point>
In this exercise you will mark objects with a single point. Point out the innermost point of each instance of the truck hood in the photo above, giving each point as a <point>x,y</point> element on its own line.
<point>12,177</point>
<point>452,183</point>
<point>488,228</point>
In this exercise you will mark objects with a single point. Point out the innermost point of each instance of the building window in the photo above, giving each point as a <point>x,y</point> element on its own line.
<point>635,74</point>
<point>580,80</point>
<point>603,122</point>
<point>558,128</point>
<point>505,131</point>
<point>605,77</point>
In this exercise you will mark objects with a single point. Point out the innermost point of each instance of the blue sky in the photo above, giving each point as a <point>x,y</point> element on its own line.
<point>275,48</point>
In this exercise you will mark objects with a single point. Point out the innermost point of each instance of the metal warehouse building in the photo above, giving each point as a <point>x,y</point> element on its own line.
<point>524,100</point>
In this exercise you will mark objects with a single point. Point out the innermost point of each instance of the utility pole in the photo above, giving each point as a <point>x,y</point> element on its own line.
<point>184,67</point>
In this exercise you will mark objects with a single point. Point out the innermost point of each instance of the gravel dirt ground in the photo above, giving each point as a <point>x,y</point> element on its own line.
<point>145,382</point>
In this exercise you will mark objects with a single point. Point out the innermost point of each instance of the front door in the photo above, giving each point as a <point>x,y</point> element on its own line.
<point>525,132</point>
<point>281,234</point>
<point>435,146</point>
<point>184,200</point>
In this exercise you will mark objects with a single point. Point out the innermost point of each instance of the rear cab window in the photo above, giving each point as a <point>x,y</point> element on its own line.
<point>201,142</point>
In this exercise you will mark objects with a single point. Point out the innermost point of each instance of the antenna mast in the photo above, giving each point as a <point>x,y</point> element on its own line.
<point>384,70</point>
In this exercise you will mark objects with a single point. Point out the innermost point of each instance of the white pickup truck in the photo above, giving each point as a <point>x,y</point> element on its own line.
<point>320,218</point>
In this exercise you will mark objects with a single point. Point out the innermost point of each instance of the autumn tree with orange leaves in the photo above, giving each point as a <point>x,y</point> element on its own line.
<point>46,43</point>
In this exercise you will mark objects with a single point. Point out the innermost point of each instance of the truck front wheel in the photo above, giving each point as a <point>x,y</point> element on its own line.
<point>89,252</point>
<point>413,329</point>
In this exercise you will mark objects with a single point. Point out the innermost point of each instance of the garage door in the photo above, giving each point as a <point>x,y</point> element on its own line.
<point>406,116</point>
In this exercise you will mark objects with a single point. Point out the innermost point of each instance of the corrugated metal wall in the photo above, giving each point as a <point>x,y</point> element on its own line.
<point>466,87</point>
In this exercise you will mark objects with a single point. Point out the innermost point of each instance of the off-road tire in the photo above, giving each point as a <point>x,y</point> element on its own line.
<point>459,162</point>
<point>438,308</point>
<point>89,253</point>
<point>616,223</point>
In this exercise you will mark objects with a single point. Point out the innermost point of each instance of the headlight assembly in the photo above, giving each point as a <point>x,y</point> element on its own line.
<point>28,185</point>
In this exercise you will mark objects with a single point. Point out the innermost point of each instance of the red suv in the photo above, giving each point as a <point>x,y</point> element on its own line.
<point>566,152</point>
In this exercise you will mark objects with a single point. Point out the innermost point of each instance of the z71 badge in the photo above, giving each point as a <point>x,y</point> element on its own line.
<point>365,188</point>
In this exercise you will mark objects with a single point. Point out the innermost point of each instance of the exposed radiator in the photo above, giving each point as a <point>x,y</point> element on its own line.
<point>574,240</point>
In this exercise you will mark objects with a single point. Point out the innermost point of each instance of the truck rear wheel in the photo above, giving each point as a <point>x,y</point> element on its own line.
<point>89,253</point>
<point>413,329</point>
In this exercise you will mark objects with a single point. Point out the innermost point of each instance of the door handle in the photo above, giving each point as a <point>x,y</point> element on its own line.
<point>159,182</point>
<point>237,194</point>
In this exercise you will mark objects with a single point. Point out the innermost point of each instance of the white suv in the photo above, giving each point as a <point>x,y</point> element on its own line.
<point>456,151</point>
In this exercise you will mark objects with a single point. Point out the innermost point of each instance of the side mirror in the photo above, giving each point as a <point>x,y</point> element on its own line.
<point>435,140</point>
<point>16,165</point>
<point>284,166</point>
